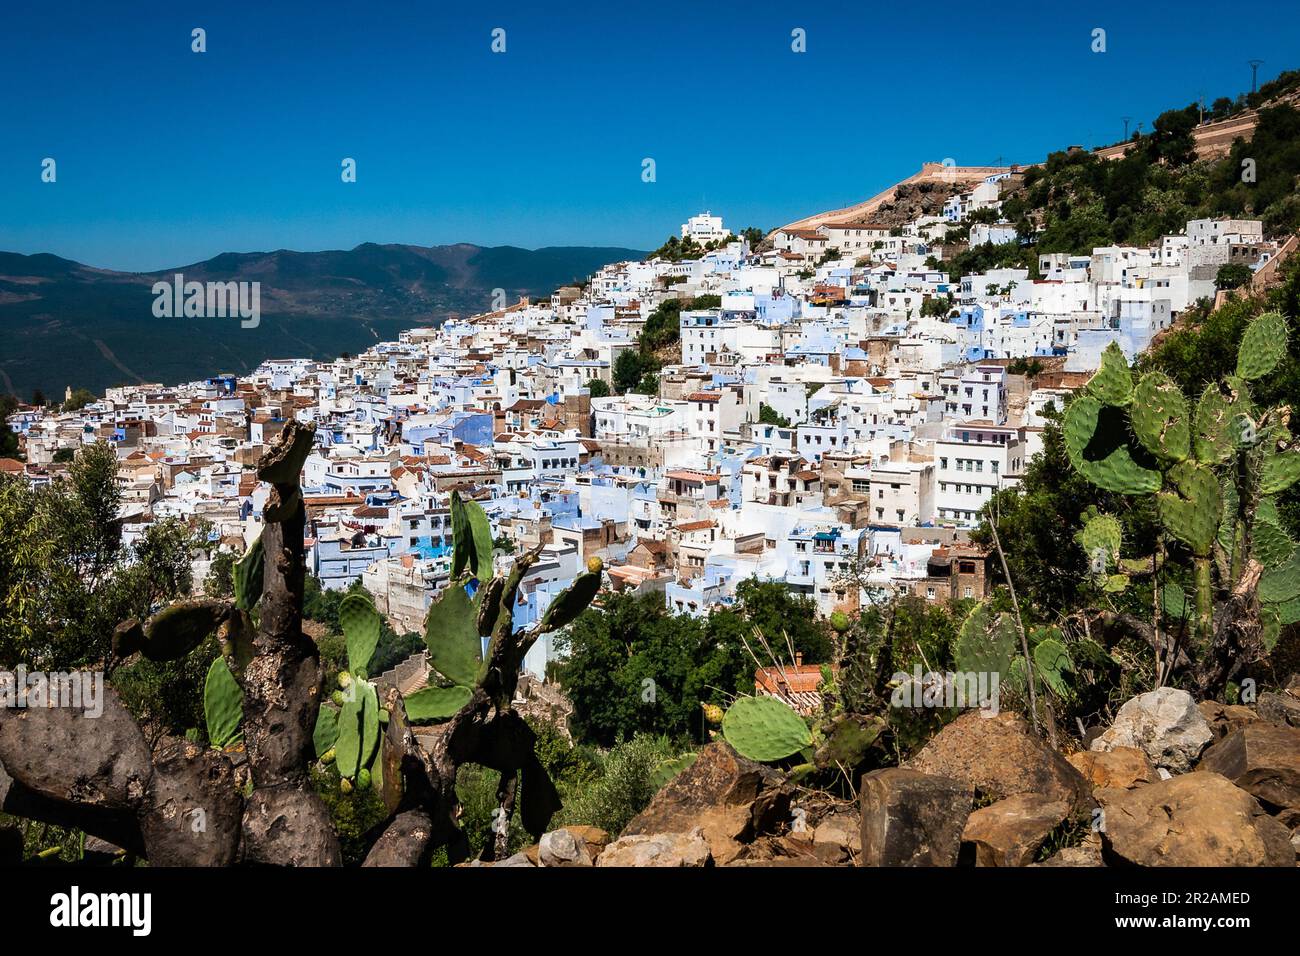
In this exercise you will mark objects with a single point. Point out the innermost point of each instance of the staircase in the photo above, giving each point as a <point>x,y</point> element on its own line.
<point>409,676</point>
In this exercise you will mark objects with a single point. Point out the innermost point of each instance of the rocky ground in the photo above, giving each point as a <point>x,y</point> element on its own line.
<point>1170,783</point>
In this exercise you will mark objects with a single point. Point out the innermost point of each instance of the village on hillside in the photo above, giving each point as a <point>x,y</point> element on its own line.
<point>830,409</point>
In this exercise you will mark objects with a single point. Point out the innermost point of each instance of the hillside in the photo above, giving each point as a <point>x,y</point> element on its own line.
<point>66,323</point>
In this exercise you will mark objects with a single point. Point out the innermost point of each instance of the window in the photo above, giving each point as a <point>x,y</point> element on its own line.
<point>968,591</point>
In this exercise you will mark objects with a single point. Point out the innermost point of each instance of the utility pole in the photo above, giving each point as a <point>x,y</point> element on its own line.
<point>1126,120</point>
<point>1254,75</point>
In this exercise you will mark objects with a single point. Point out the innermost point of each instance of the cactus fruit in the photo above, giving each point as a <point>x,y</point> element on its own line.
<point>282,465</point>
<point>344,679</point>
<point>436,703</point>
<point>327,757</point>
<point>764,729</point>
<point>840,622</point>
<point>361,625</point>
<point>223,705</point>
<point>1095,436</point>
<point>571,602</point>
<point>338,698</point>
<point>1160,417</point>
<point>595,565</point>
<point>452,636</point>
<point>247,576</point>
<point>1101,538</point>
<point>1262,346</point>
<point>345,786</point>
<point>1192,512</point>
<point>712,713</point>
<point>180,627</point>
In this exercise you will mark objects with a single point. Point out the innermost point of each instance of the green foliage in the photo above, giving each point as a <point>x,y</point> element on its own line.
<point>1232,275</point>
<point>598,388</point>
<point>670,768</point>
<point>987,644</point>
<point>471,539</point>
<point>353,815</point>
<point>223,703</point>
<point>621,785</point>
<point>360,622</point>
<point>768,415</point>
<point>765,729</point>
<point>451,634</point>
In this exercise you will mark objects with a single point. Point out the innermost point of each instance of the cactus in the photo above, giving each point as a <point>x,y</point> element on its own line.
<point>985,646</point>
<point>1052,662</point>
<point>326,732</point>
<point>283,463</point>
<point>572,601</point>
<point>436,703</point>
<point>174,631</point>
<point>223,703</point>
<point>471,539</point>
<point>347,747</point>
<point>669,768</point>
<point>247,576</point>
<point>764,729</point>
<point>361,625</point>
<point>451,634</point>
<point>1211,481</point>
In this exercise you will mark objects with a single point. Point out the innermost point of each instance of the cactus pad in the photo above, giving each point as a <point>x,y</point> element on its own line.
<point>985,646</point>
<point>436,703</point>
<point>1191,512</point>
<point>1095,439</point>
<point>669,768</point>
<point>1113,382</point>
<point>1271,545</point>
<point>764,729</point>
<point>1101,534</point>
<point>326,731</point>
<point>347,747</point>
<point>571,602</point>
<point>451,634</point>
<point>1262,346</point>
<point>1160,417</point>
<point>1280,585</point>
<point>223,705</point>
<point>247,576</point>
<point>360,622</point>
<point>471,539</point>
<point>1279,471</point>
<point>180,627</point>
<point>1217,429</point>
<point>1052,661</point>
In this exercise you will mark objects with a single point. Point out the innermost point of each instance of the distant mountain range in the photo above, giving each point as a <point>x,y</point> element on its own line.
<point>64,323</point>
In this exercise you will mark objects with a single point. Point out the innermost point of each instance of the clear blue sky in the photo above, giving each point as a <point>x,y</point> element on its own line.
<point>166,156</point>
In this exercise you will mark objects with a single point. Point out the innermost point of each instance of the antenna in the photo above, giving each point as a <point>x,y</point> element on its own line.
<point>1127,120</point>
<point>1254,74</point>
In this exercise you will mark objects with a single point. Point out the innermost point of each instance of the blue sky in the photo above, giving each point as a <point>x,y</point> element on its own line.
<point>166,156</point>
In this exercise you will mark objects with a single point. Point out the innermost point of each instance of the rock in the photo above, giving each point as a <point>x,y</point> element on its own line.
<point>1010,832</point>
<point>1000,756</point>
<point>662,849</point>
<point>911,818</point>
<point>1225,718</point>
<point>1263,759</point>
<point>1165,724</point>
<point>1122,767</point>
<point>518,859</point>
<point>1086,854</point>
<point>563,848</point>
<point>838,838</point>
<point>786,850</point>
<point>730,798</point>
<point>595,838</point>
<point>1196,819</point>
<point>1283,707</point>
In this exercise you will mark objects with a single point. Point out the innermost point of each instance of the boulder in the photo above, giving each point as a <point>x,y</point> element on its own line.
<point>563,848</point>
<point>1263,759</point>
<point>1011,831</point>
<point>785,850</point>
<point>1000,756</point>
<point>1196,819</point>
<point>731,799</point>
<point>1122,767</point>
<point>662,849</point>
<point>1165,724</point>
<point>1283,707</point>
<point>1225,718</point>
<point>911,818</point>
<point>518,859</point>
<point>1085,854</point>
<point>595,838</point>
<point>838,838</point>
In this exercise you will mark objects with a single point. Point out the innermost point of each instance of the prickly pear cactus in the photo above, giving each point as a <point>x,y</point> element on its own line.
<point>764,729</point>
<point>669,768</point>
<point>1262,346</point>
<point>985,645</point>
<point>223,706</point>
<point>247,576</point>
<point>361,625</point>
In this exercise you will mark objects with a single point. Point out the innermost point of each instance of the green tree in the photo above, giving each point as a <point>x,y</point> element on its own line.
<point>78,400</point>
<point>1232,275</point>
<point>628,369</point>
<point>598,388</point>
